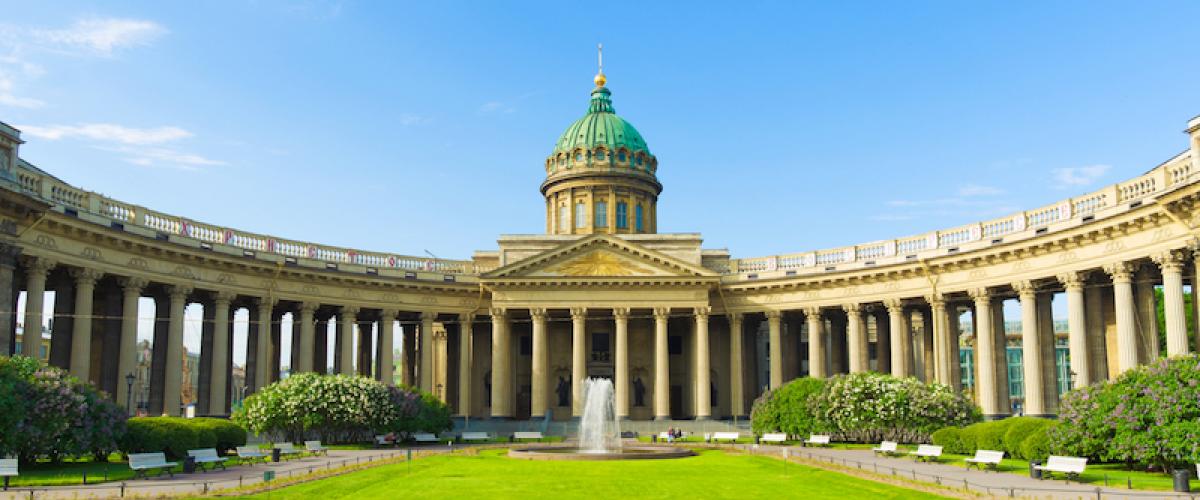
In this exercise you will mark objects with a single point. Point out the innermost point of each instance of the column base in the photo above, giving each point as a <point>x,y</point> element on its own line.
<point>700,418</point>
<point>998,416</point>
<point>738,417</point>
<point>500,417</point>
<point>623,418</point>
<point>662,417</point>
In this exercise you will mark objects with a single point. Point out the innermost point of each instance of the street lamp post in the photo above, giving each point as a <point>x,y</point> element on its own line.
<point>129,378</point>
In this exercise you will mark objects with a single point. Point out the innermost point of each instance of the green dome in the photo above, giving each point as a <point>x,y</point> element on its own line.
<point>601,127</point>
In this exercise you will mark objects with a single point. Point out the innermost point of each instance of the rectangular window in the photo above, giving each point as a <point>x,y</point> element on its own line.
<point>580,216</point>
<point>966,363</point>
<point>601,214</point>
<point>622,215</point>
<point>1016,372</point>
<point>564,219</point>
<point>637,218</point>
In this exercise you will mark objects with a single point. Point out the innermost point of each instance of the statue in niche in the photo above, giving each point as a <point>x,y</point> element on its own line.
<point>564,391</point>
<point>712,393</point>
<point>639,392</point>
<point>487,388</point>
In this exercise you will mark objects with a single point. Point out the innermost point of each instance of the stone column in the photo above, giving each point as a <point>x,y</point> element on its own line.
<point>1171,264</point>
<point>937,323</point>
<point>219,383</point>
<point>578,358</point>
<point>36,269</point>
<point>1031,350</point>
<point>262,353</point>
<point>737,401</point>
<point>953,337</point>
<point>985,346</point>
<point>928,364</point>
<point>8,296</point>
<point>346,334</point>
<point>466,328</point>
<point>539,385</point>
<point>426,376</point>
<point>387,346</point>
<point>816,342</point>
<point>883,336</point>
<point>81,331</point>
<point>1122,277</point>
<point>1077,328</point>
<point>173,375</point>
<point>703,381</point>
<point>662,379</point>
<point>900,337</point>
<point>127,359</point>
<point>621,375</point>
<point>308,335</point>
<point>501,365</point>
<point>856,338</point>
<point>776,344</point>
<point>1196,290</point>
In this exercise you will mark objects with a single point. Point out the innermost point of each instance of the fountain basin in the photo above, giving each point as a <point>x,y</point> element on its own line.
<point>625,453</point>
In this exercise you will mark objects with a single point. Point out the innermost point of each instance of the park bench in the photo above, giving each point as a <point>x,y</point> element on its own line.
<point>8,469</point>
<point>474,436</point>
<point>927,452</point>
<point>774,438</point>
<point>1071,467</point>
<point>382,440</point>
<point>425,437</point>
<point>989,459</point>
<point>526,435</point>
<point>288,450</point>
<point>315,448</point>
<point>886,448</point>
<point>143,462</point>
<point>251,454</point>
<point>207,456</point>
<point>732,437</point>
<point>816,440</point>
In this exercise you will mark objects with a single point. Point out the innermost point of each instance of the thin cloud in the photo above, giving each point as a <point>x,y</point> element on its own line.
<point>7,98</point>
<point>979,190</point>
<point>107,132</point>
<point>101,35</point>
<point>165,157</point>
<point>1073,177</point>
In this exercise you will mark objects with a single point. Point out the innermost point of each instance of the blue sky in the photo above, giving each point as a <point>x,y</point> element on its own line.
<point>779,126</point>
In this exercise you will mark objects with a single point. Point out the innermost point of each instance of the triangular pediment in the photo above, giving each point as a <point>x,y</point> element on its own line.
<point>600,256</point>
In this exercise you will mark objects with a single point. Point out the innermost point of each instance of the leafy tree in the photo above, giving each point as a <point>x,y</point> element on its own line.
<point>869,407</point>
<point>786,408</point>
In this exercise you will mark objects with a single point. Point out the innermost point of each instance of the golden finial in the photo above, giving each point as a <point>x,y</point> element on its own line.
<point>600,79</point>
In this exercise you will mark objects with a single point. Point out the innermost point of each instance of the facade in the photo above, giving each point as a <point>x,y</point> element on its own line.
<point>685,332</point>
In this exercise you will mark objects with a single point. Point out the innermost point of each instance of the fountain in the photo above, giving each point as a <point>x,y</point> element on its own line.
<point>599,433</point>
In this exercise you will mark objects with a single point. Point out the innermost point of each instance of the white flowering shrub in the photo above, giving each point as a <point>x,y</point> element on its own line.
<point>871,407</point>
<point>333,408</point>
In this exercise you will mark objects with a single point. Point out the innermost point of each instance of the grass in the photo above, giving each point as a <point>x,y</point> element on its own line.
<point>70,472</point>
<point>490,474</point>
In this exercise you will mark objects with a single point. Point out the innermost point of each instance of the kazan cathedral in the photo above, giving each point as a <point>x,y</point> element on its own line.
<point>684,332</point>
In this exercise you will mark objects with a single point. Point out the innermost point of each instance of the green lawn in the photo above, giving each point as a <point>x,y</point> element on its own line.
<point>490,474</point>
<point>70,472</point>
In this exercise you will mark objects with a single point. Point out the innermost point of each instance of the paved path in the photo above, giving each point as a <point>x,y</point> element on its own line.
<point>997,484</point>
<point>197,483</point>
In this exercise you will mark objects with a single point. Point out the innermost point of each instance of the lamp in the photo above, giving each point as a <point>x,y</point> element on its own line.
<point>129,378</point>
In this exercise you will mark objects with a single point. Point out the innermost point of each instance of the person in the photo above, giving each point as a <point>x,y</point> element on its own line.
<point>670,434</point>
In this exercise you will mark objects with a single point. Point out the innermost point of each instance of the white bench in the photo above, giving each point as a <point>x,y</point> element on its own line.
<point>142,462</point>
<point>382,440</point>
<point>816,440</point>
<point>886,448</point>
<point>732,437</point>
<point>8,469</point>
<point>773,437</point>
<point>206,456</point>
<point>288,450</point>
<point>989,459</point>
<point>315,448</point>
<point>1071,467</point>
<point>474,436</point>
<point>425,437</point>
<point>251,454</point>
<point>927,452</point>
<point>524,435</point>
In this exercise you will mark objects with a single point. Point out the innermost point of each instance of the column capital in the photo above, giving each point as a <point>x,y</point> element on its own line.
<point>936,301</point>
<point>662,313</point>
<point>894,306</point>
<point>1025,289</point>
<point>1170,260</point>
<point>311,307</point>
<point>702,312</point>
<point>537,313</point>
<point>578,313</point>
<point>734,317</point>
<point>133,284</point>
<point>621,313</point>
<point>84,275</point>
<point>38,265</point>
<point>852,309</point>
<point>498,313</point>
<point>353,311</point>
<point>812,313</point>
<point>1073,280</point>
<point>773,314</point>
<point>980,295</point>
<point>1120,272</point>
<point>223,297</point>
<point>265,302</point>
<point>180,292</point>
<point>429,315</point>
<point>466,318</point>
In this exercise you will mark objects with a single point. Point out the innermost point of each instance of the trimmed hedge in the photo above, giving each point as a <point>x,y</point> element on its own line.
<point>1021,429</point>
<point>951,440</point>
<point>1036,445</point>
<point>786,409</point>
<point>1020,437</point>
<point>174,436</point>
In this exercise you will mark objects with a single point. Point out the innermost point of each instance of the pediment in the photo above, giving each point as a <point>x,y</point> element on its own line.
<point>600,256</point>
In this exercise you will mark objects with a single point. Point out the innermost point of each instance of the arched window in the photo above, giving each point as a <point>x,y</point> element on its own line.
<point>621,156</point>
<point>600,155</point>
<point>622,215</point>
<point>580,215</point>
<point>601,214</point>
<point>564,218</point>
<point>637,218</point>
<point>578,156</point>
<point>639,159</point>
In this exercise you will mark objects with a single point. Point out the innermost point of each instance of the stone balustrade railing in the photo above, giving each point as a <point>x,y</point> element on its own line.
<point>67,197</point>
<point>1174,173</point>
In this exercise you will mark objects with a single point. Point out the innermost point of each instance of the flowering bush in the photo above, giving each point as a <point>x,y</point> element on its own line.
<point>1149,415</point>
<point>339,408</point>
<point>869,407</point>
<point>47,413</point>
<point>786,408</point>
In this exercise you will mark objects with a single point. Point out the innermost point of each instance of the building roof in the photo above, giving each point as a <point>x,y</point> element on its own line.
<point>601,127</point>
